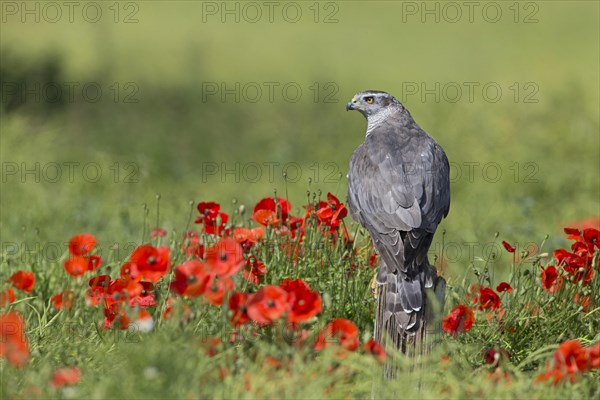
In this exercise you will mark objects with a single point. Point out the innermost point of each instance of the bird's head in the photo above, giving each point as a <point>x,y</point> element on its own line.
<point>372,102</point>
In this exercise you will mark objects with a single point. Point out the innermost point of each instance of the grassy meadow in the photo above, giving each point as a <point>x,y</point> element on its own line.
<point>120,117</point>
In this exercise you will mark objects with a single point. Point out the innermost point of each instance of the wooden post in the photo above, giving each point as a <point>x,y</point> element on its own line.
<point>419,344</point>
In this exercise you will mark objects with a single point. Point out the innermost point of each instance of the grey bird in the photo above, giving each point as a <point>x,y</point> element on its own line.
<point>399,191</point>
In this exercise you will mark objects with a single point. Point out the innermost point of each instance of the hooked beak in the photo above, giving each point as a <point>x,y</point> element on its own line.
<point>351,105</point>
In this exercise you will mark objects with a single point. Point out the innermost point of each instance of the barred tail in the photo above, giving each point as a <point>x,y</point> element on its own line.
<point>405,297</point>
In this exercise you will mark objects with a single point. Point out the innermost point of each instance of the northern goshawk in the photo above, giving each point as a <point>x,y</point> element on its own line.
<point>399,191</point>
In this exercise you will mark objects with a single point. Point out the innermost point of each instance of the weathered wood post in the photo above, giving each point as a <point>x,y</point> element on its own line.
<point>419,344</point>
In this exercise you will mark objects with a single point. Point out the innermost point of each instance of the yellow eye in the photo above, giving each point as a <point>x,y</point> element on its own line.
<point>369,100</point>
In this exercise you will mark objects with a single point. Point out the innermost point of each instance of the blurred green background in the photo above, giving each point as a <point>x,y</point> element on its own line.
<point>110,103</point>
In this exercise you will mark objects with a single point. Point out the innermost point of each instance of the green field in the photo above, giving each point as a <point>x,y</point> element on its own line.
<point>106,105</point>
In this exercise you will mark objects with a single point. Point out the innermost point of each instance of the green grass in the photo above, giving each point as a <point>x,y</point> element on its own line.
<point>172,361</point>
<point>547,152</point>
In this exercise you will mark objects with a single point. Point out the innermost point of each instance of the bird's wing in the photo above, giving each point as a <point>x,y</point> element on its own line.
<point>398,190</point>
<point>430,181</point>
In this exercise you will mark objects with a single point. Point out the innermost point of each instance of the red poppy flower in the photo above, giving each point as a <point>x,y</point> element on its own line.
<point>504,287</point>
<point>225,258</point>
<point>341,331</point>
<point>158,232</point>
<point>191,279</point>
<point>100,280</point>
<point>94,262</point>
<point>241,234</point>
<point>494,355</point>
<point>460,319</point>
<point>304,302</point>
<point>121,290</point>
<point>331,212</point>
<point>64,299</point>
<point>569,260</point>
<point>377,350</point>
<point>268,304</point>
<point>145,298</point>
<point>210,216</point>
<point>295,285</point>
<point>94,296</point>
<point>151,262</point>
<point>82,244</point>
<point>76,265</point>
<point>579,267</point>
<point>67,376</point>
<point>13,343</point>
<point>572,357</point>
<point>585,241</point>
<point>278,212</point>
<point>23,280</point>
<point>549,275</point>
<point>237,304</point>
<point>488,299</point>
<point>115,315</point>
<point>582,249</point>
<point>256,234</point>
<point>573,233</point>
<point>254,270</point>
<point>592,237</point>
<point>508,247</point>
<point>266,217</point>
<point>97,292</point>
<point>215,292</point>
<point>7,297</point>
<point>248,237</point>
<point>296,224</point>
<point>129,270</point>
<point>208,211</point>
